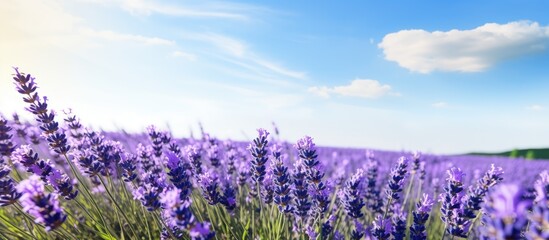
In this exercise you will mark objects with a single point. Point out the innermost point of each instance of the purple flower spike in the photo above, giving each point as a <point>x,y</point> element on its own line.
<point>210,186</point>
<point>62,184</point>
<point>351,196</point>
<point>262,133</point>
<point>455,175</point>
<point>193,156</point>
<point>396,182</point>
<point>25,85</point>
<point>542,187</point>
<point>398,221</point>
<point>452,213</point>
<point>506,210</point>
<point>539,218</point>
<point>6,145</point>
<point>416,158</point>
<point>282,181</point>
<point>44,207</point>
<point>258,150</point>
<point>177,211</point>
<point>476,194</point>
<point>201,231</point>
<point>306,143</point>
<point>382,228</point>
<point>421,215</point>
<point>8,193</point>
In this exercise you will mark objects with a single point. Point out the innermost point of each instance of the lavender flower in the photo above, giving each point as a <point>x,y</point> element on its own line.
<point>6,145</point>
<point>178,175</point>
<point>25,156</point>
<point>382,228</point>
<point>194,158</point>
<point>396,182</point>
<point>231,157</point>
<point>25,85</point>
<point>213,155</point>
<point>421,215</point>
<point>372,195</point>
<point>149,195</point>
<point>311,233</point>
<point>8,193</point>
<point>506,211</point>
<point>539,220</point>
<point>62,184</point>
<point>201,231</point>
<point>416,159</point>
<point>475,195</point>
<point>243,175</point>
<point>228,199</point>
<point>300,191</point>
<point>177,211</point>
<point>338,236</point>
<point>156,139</point>
<point>327,227</point>
<point>307,153</point>
<point>34,135</point>
<point>209,183</point>
<point>452,213</point>
<point>358,232</point>
<point>268,189</point>
<point>42,206</point>
<point>129,166</point>
<point>542,187</point>
<point>74,126</point>
<point>351,196</point>
<point>88,162</point>
<point>281,180</point>
<point>258,149</point>
<point>20,129</point>
<point>145,154</point>
<point>398,221</point>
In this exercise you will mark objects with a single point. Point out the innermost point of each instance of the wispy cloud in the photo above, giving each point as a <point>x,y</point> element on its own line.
<point>238,52</point>
<point>364,88</point>
<point>440,105</point>
<point>471,50</point>
<point>186,55</point>
<point>142,7</point>
<point>279,69</point>
<point>228,45</point>
<point>535,107</point>
<point>116,36</point>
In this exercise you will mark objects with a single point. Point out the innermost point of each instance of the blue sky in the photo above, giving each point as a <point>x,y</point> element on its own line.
<point>432,76</point>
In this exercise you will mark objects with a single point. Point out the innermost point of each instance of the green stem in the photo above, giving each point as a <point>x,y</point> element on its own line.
<point>90,196</point>
<point>407,192</point>
<point>387,207</point>
<point>117,206</point>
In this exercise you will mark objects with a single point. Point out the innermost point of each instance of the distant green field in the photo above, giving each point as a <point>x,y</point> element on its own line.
<point>532,153</point>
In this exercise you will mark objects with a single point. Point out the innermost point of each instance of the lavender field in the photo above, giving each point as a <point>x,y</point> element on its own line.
<point>60,180</point>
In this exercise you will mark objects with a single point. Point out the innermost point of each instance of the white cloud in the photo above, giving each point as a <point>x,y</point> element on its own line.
<point>471,50</point>
<point>364,88</point>
<point>535,107</point>
<point>320,91</point>
<point>115,36</point>
<point>440,105</point>
<point>186,55</point>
